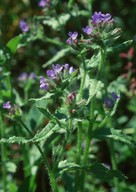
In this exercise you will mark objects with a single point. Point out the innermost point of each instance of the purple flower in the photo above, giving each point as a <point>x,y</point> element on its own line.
<point>23,26</point>
<point>42,3</point>
<point>66,66</point>
<point>22,76</point>
<point>31,76</point>
<point>73,35</point>
<point>43,84</point>
<point>114,96</point>
<point>7,105</point>
<point>69,41</point>
<point>108,102</point>
<point>71,70</point>
<point>58,68</point>
<point>87,30</point>
<point>51,74</point>
<point>106,17</point>
<point>97,17</point>
<point>42,80</point>
<point>1,69</point>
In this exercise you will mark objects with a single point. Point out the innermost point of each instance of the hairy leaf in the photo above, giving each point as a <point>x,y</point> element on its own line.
<point>57,56</point>
<point>114,134</point>
<point>95,87</point>
<point>15,139</point>
<point>14,43</point>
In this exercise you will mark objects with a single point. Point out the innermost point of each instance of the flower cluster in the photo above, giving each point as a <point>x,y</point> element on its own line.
<point>55,75</point>
<point>99,17</point>
<point>110,101</point>
<point>100,29</point>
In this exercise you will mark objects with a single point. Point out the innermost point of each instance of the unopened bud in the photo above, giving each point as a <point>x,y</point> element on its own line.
<point>72,96</point>
<point>116,32</point>
<point>73,111</point>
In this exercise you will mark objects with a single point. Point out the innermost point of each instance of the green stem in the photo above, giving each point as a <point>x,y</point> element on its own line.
<point>100,67</point>
<point>79,153</point>
<point>114,164</point>
<point>3,155</point>
<point>88,141</point>
<point>82,79</point>
<point>104,121</point>
<point>50,173</point>
<point>70,4</point>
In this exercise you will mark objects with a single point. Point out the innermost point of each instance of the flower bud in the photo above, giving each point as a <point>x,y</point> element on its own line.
<point>116,32</point>
<point>72,96</point>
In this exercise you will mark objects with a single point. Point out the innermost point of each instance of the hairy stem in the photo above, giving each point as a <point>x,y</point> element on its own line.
<point>3,155</point>
<point>88,141</point>
<point>83,77</point>
<point>114,164</point>
<point>50,173</point>
<point>79,153</point>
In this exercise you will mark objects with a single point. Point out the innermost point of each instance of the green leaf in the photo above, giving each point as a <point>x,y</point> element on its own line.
<point>117,135</point>
<point>94,88</point>
<point>46,97</point>
<point>103,172</point>
<point>57,56</point>
<point>15,139</point>
<point>94,61</point>
<point>115,107</point>
<point>100,170</point>
<point>56,23</point>
<point>120,47</point>
<point>11,167</point>
<point>67,166</point>
<point>132,104</point>
<point>2,56</point>
<point>34,118</point>
<point>14,43</point>
<point>47,132</point>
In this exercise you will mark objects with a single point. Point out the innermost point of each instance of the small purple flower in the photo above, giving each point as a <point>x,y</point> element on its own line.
<point>69,41</point>
<point>23,76</point>
<point>51,74</point>
<point>97,17</point>
<point>87,30</point>
<point>7,105</point>
<point>31,76</point>
<point>43,84</point>
<point>73,35</point>
<point>23,26</point>
<point>114,96</point>
<point>57,68</point>
<point>42,80</point>
<point>106,17</point>
<point>42,3</point>
<point>108,102</point>
<point>71,70</point>
<point>66,66</point>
